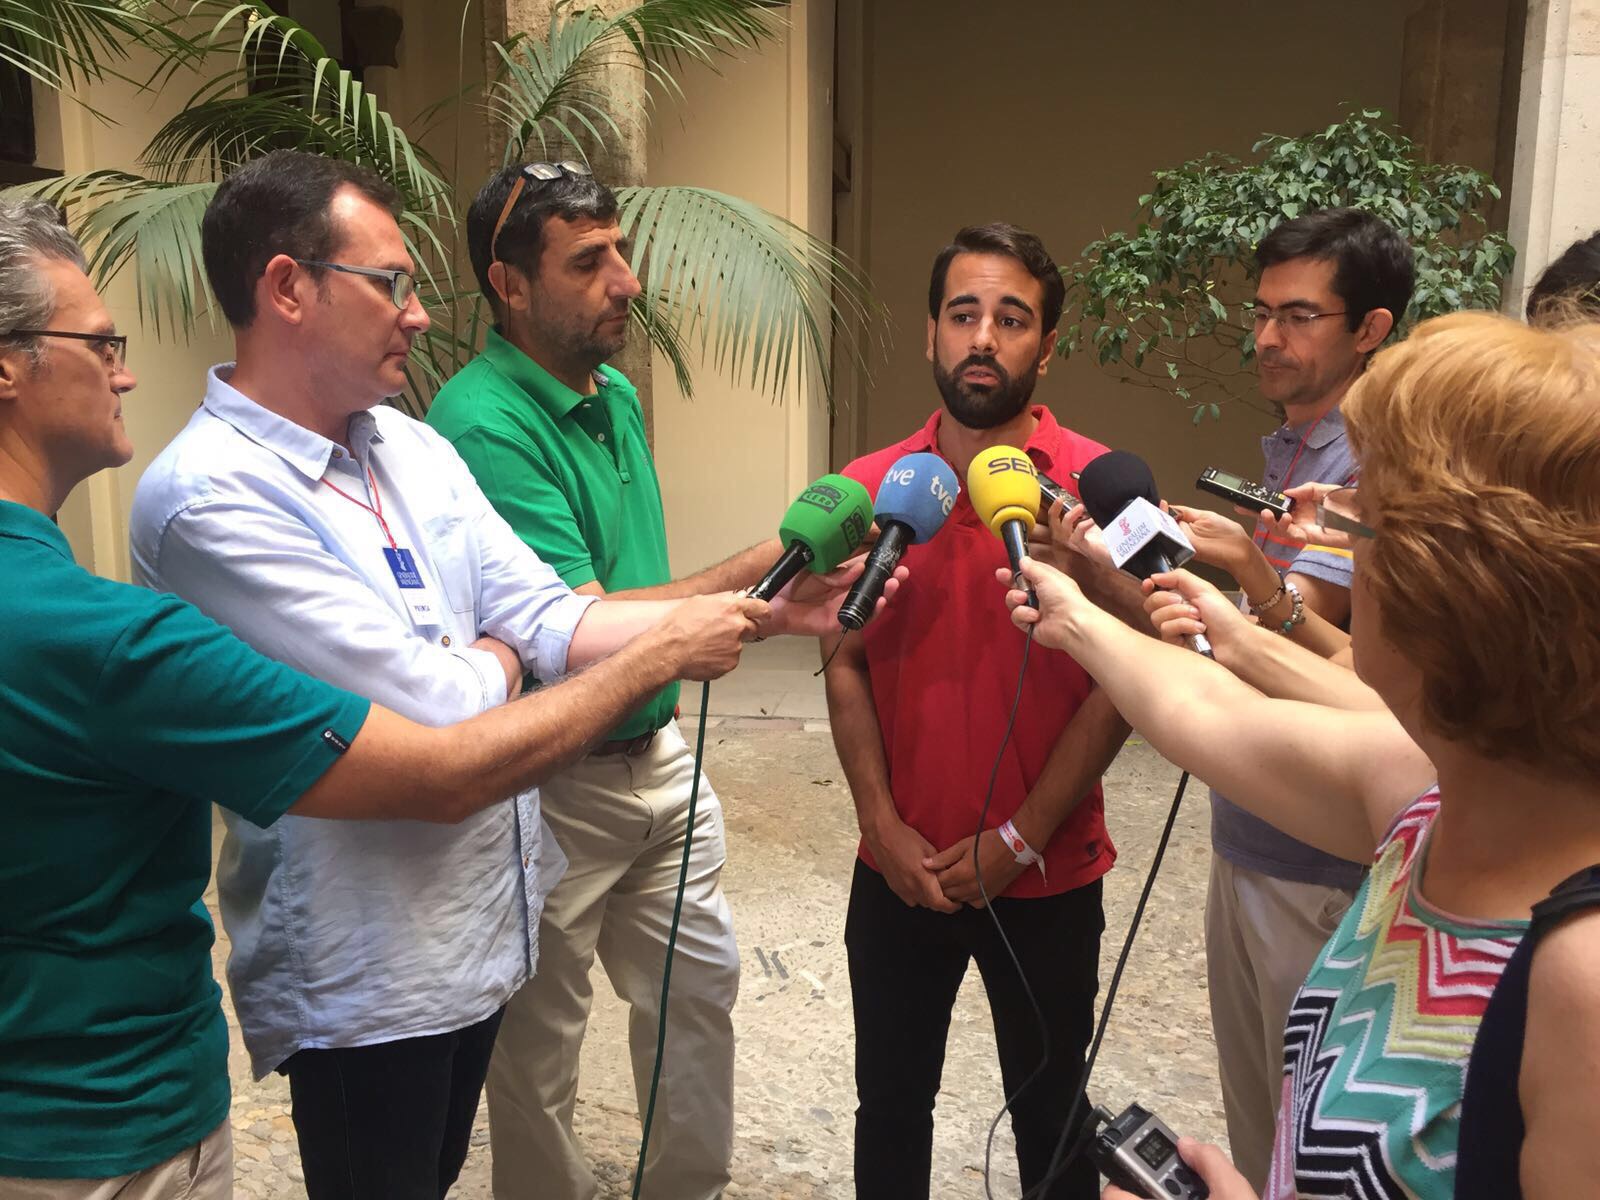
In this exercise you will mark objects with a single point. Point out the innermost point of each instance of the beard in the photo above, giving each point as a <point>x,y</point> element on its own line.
<point>586,344</point>
<point>983,406</point>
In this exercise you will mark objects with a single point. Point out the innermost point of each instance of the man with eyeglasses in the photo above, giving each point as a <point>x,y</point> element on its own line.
<point>1332,285</point>
<point>370,962</point>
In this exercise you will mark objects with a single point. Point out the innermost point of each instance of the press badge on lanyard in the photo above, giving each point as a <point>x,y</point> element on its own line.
<point>414,589</point>
<point>408,577</point>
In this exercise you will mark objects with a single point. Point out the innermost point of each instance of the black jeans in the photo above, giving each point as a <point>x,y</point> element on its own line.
<point>390,1121</point>
<point>906,965</point>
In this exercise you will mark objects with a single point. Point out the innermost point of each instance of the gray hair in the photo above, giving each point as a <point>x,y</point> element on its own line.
<point>30,230</point>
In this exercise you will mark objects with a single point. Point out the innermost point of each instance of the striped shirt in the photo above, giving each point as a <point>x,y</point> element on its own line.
<point>1377,1042</point>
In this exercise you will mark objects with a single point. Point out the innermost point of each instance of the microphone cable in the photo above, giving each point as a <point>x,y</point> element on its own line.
<point>1060,1159</point>
<point>672,940</point>
<point>988,904</point>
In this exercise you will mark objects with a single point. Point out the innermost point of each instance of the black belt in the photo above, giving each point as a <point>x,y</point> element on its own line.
<point>628,746</point>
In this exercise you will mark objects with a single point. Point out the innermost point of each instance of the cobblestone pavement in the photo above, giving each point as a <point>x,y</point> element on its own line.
<point>791,839</point>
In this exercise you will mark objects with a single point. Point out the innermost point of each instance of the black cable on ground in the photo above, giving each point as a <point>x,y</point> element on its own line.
<point>1060,1159</point>
<point>672,940</point>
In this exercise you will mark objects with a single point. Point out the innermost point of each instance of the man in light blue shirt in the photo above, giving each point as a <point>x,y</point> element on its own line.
<point>370,962</point>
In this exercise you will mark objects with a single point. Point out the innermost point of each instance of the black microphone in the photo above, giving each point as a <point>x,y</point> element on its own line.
<point>1120,493</point>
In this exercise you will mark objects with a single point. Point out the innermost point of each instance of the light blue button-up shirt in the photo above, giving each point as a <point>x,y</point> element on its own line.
<point>347,933</point>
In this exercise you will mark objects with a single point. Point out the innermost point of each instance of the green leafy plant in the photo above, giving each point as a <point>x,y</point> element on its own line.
<point>1164,306</point>
<point>722,277</point>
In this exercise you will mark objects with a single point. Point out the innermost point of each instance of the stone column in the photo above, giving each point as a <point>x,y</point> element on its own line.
<point>620,163</point>
<point>1555,193</point>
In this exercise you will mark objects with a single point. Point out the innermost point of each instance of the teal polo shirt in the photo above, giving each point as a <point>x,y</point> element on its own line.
<point>572,475</point>
<point>123,715</point>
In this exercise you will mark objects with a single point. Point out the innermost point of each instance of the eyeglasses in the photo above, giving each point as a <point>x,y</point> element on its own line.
<point>113,347</point>
<point>402,284</point>
<point>539,172</point>
<point>1338,510</point>
<point>1292,321</point>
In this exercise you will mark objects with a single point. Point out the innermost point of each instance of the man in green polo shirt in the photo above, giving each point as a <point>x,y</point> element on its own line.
<point>556,440</point>
<point>123,715</point>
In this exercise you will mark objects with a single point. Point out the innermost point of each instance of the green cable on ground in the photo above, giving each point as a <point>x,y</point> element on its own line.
<point>672,940</point>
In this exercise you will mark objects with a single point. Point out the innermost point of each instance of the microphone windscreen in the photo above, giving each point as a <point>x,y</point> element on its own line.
<point>1112,482</point>
<point>830,518</point>
<point>1001,483</point>
<point>920,490</point>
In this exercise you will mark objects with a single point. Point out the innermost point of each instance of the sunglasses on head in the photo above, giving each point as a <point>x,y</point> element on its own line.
<point>539,172</point>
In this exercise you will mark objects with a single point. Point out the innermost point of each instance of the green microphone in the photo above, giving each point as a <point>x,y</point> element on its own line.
<point>820,530</point>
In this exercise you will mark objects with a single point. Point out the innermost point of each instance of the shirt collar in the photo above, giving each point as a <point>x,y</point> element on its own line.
<point>1318,433</point>
<point>1041,446</point>
<point>555,397</point>
<point>305,451</point>
<point>20,521</point>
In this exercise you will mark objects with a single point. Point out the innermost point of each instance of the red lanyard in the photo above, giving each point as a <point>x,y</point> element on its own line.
<point>1283,485</point>
<point>377,512</point>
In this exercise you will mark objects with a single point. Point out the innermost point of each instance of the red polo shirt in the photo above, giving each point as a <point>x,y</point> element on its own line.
<point>944,657</point>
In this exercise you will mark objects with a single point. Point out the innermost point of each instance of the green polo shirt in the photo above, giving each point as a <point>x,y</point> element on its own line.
<point>122,715</point>
<point>571,474</point>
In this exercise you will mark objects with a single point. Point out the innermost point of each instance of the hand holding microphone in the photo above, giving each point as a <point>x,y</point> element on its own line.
<point>914,499</point>
<point>1120,493</point>
<point>1005,493</point>
<point>821,528</point>
<point>1182,605</point>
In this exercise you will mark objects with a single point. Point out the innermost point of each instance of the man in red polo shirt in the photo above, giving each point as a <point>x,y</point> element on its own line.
<point>919,705</point>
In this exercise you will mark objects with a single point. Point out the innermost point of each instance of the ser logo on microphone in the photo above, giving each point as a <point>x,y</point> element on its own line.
<point>999,466</point>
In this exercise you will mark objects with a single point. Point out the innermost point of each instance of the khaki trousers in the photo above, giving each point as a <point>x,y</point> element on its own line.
<point>203,1171</point>
<point>621,821</point>
<point>1262,935</point>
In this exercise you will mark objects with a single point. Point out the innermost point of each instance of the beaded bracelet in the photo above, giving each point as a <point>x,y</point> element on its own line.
<point>1297,614</point>
<point>1257,610</point>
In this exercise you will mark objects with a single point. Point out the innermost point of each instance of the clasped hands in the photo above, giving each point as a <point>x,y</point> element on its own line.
<point>942,880</point>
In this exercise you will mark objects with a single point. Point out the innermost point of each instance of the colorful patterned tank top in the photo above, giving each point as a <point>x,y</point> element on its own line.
<point>1376,1046</point>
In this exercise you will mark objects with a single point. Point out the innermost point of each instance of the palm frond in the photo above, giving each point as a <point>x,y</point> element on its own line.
<point>754,292</point>
<point>58,42</point>
<point>314,105</point>
<point>544,87</point>
<point>121,219</point>
<point>664,34</point>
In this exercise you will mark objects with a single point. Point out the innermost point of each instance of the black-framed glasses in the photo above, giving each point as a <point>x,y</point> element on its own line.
<point>539,172</point>
<point>402,284</point>
<point>1291,321</point>
<point>113,347</point>
<point>1339,511</point>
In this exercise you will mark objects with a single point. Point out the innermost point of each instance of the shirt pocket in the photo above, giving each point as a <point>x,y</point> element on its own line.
<point>452,552</point>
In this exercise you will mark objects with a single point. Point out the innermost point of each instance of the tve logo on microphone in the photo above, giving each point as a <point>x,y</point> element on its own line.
<point>899,476</point>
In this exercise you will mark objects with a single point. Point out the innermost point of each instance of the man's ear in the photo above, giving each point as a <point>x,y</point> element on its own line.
<point>13,363</point>
<point>932,325</point>
<point>513,287</point>
<point>1375,327</point>
<point>1047,349</point>
<point>284,289</point>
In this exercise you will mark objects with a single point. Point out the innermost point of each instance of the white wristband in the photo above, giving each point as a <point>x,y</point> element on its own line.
<point>1025,854</point>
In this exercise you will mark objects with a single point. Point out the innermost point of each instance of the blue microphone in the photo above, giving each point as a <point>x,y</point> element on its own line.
<point>913,501</point>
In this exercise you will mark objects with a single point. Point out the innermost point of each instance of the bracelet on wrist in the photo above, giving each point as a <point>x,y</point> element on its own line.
<point>1271,602</point>
<point>1297,613</point>
<point>1020,850</point>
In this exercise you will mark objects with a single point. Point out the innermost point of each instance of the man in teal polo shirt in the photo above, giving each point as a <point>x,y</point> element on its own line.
<point>124,714</point>
<point>556,440</point>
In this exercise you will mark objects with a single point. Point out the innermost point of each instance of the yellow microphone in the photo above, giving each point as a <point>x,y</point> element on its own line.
<point>1004,490</point>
